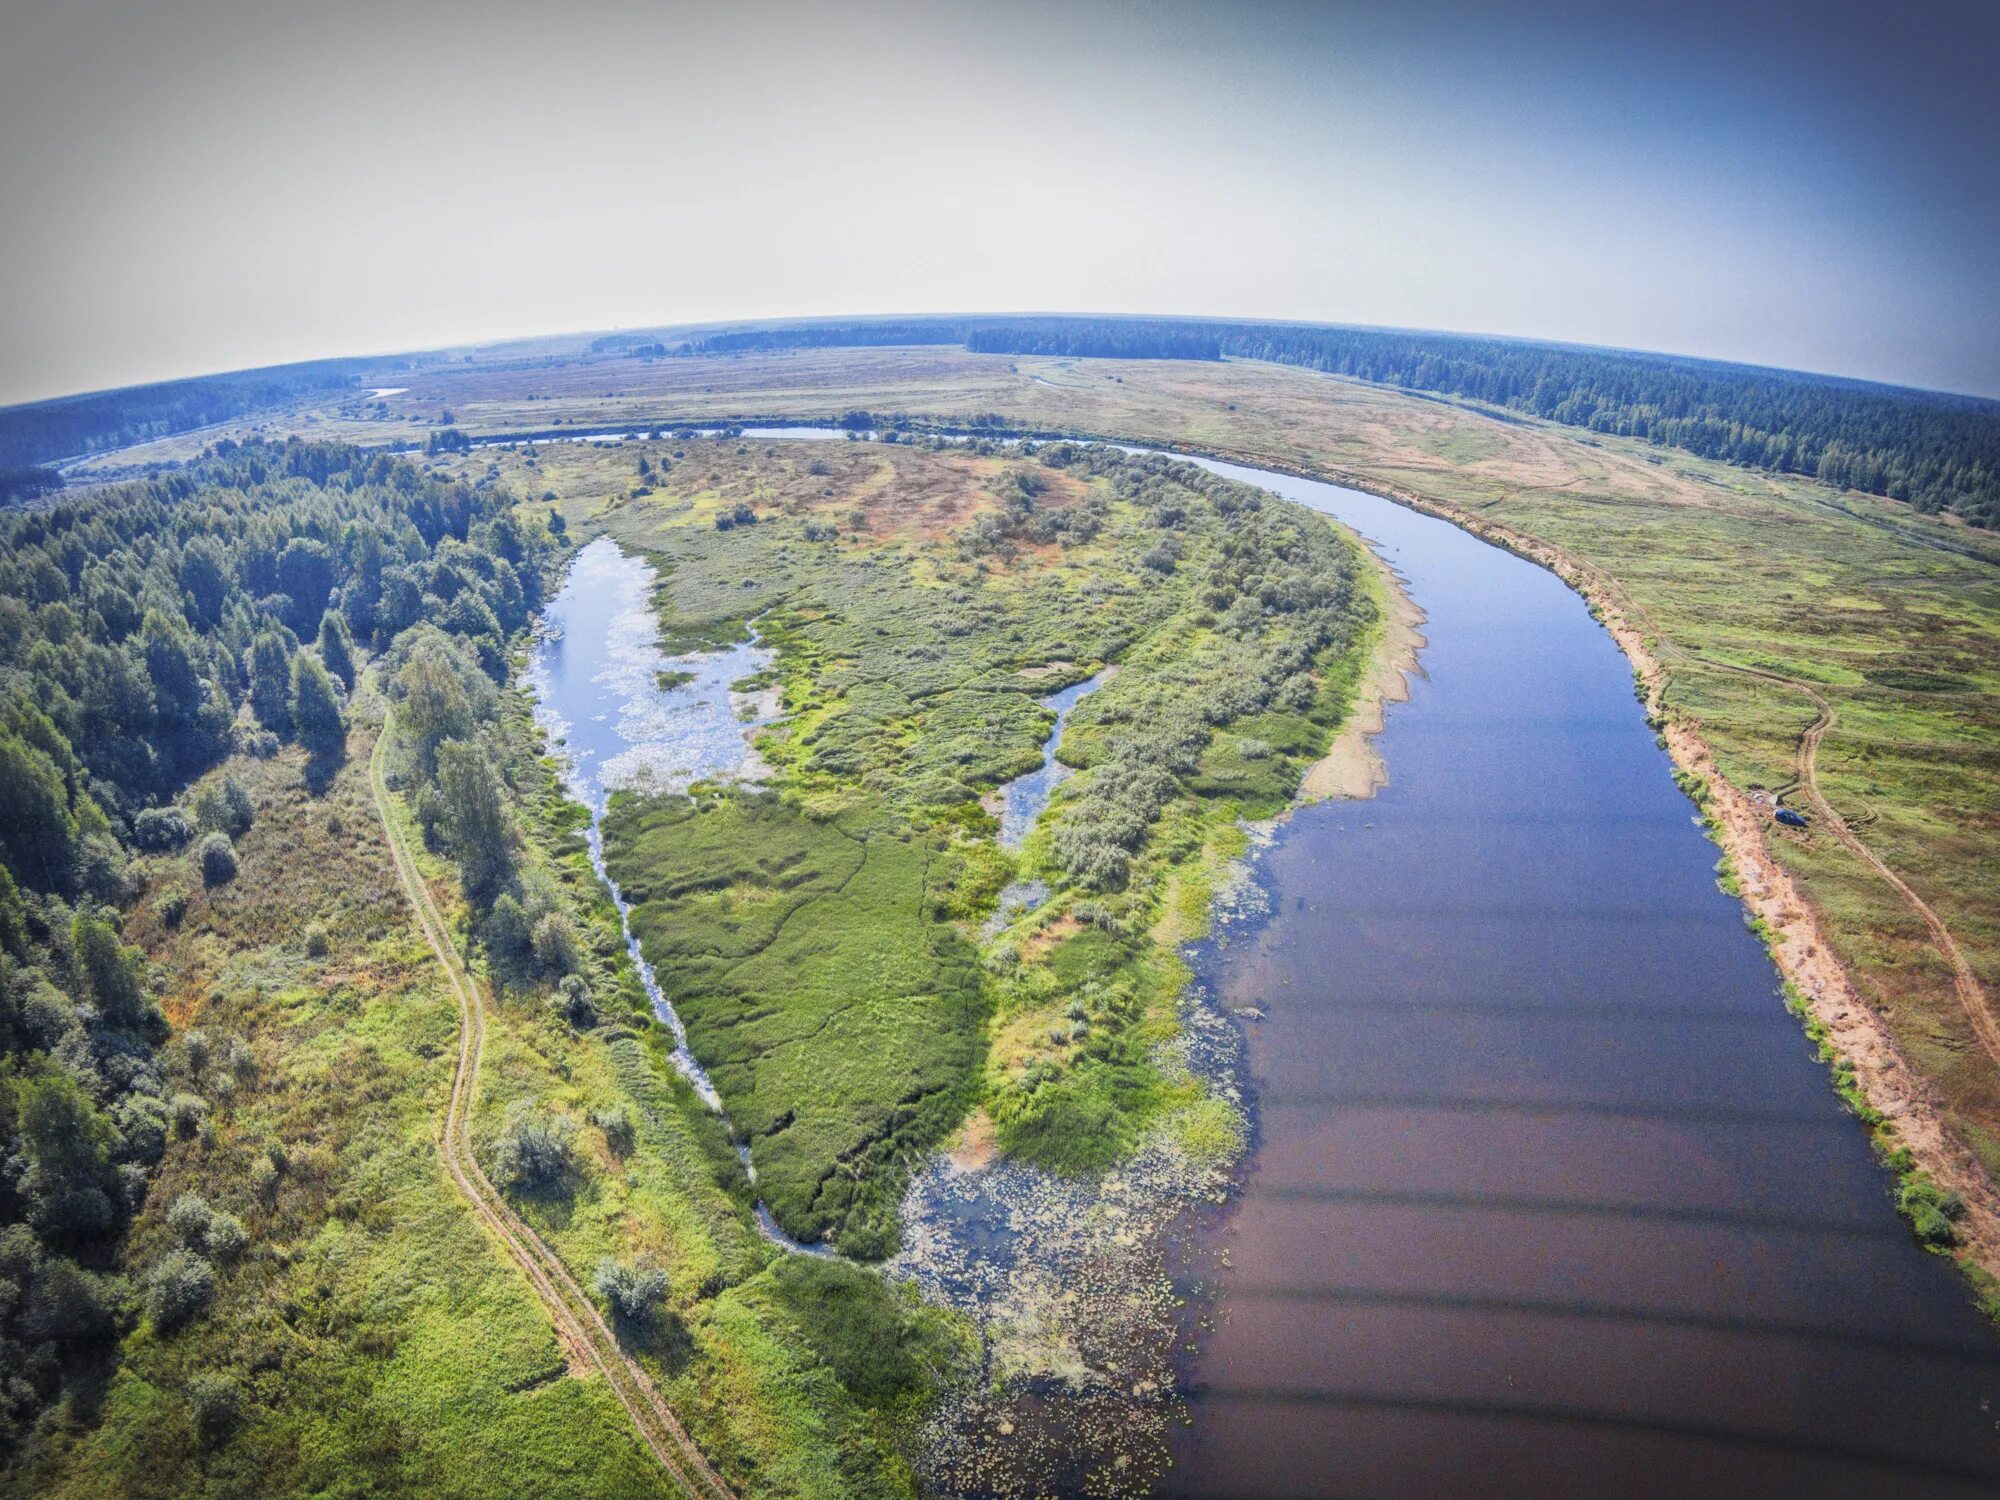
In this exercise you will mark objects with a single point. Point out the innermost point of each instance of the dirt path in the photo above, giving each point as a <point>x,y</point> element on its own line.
<point>1971,994</point>
<point>586,1339</point>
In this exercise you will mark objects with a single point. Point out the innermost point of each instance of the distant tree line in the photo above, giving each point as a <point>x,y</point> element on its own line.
<point>27,484</point>
<point>1939,452</point>
<point>71,426</point>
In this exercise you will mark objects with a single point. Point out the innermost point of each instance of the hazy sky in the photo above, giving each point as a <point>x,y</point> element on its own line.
<point>222,183</point>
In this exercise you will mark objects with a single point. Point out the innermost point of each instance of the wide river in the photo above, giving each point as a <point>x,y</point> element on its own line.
<point>1549,1196</point>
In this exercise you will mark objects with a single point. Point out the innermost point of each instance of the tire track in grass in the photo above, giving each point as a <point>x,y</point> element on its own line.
<point>1805,768</point>
<point>578,1324</point>
<point>1598,585</point>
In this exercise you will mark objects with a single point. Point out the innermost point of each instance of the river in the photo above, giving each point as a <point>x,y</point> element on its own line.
<point>1548,1196</point>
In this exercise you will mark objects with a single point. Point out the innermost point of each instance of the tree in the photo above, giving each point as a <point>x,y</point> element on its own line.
<point>316,707</point>
<point>434,705</point>
<point>269,668</point>
<point>67,1304</point>
<point>108,969</point>
<point>204,576</point>
<point>37,832</point>
<point>475,817</point>
<point>336,648</point>
<point>67,1144</point>
<point>305,576</point>
<point>178,689</point>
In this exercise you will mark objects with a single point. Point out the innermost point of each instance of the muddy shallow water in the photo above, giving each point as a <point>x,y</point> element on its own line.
<point>1548,1194</point>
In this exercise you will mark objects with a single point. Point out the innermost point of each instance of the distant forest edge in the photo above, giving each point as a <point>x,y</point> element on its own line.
<point>45,432</point>
<point>1939,452</point>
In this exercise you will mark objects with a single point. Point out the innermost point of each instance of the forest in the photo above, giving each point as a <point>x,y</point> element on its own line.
<point>148,633</point>
<point>1937,451</point>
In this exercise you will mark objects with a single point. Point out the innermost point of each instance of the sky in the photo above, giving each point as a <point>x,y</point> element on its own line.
<point>199,185</point>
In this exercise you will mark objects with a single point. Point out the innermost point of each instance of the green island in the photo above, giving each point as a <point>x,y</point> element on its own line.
<point>825,938</point>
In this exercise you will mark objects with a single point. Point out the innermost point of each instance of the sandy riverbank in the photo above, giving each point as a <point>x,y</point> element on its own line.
<point>1352,767</point>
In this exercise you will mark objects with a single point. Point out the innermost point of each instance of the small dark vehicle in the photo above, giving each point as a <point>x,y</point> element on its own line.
<point>1790,818</point>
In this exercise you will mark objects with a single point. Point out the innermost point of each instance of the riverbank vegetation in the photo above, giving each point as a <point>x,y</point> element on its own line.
<point>827,941</point>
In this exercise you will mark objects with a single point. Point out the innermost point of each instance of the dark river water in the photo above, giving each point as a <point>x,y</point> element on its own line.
<point>1549,1197</point>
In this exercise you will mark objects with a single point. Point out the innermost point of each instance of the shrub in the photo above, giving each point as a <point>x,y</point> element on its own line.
<point>554,942</point>
<point>258,743</point>
<point>225,808</point>
<point>573,1002</point>
<point>316,940</point>
<point>1933,1213</point>
<point>633,1293</point>
<point>206,1230</point>
<point>506,930</point>
<point>188,1219</point>
<point>616,1123</point>
<point>226,1237</point>
<point>160,828</point>
<point>181,1286</point>
<point>172,905</point>
<point>216,1406</point>
<point>217,857</point>
<point>532,1152</point>
<point>264,1179</point>
<point>187,1111</point>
